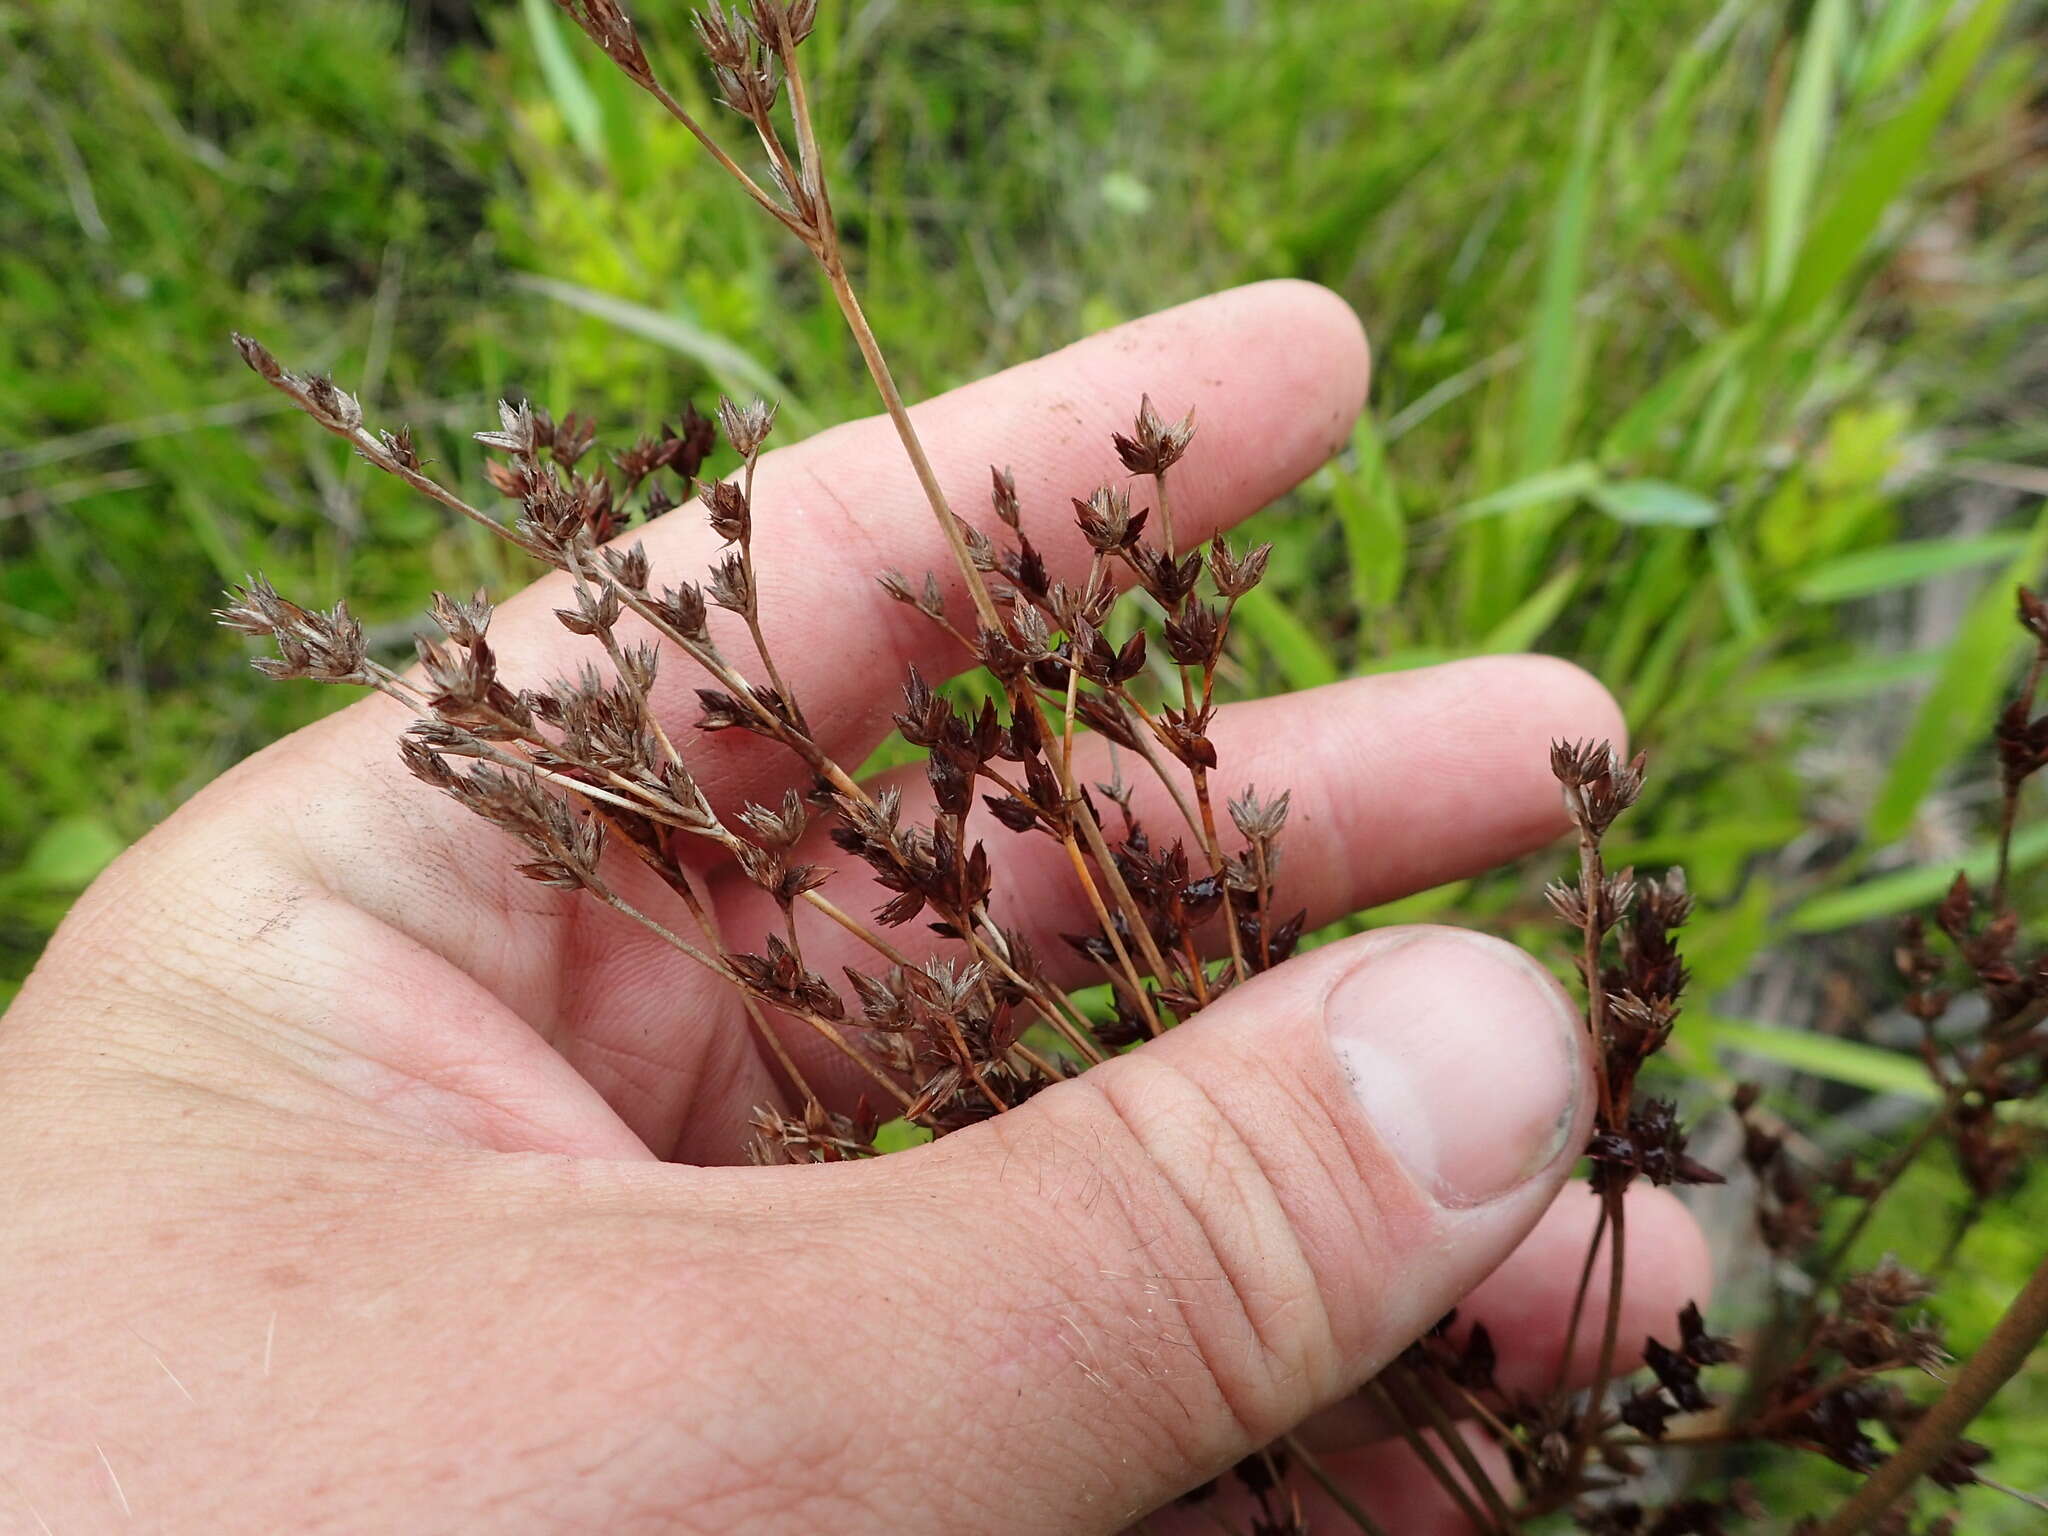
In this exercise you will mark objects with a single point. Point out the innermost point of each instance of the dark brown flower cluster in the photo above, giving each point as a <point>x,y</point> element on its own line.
<point>580,769</point>
<point>1827,1377</point>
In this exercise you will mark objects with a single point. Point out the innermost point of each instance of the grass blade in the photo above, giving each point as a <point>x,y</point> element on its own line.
<point>1567,482</point>
<point>1525,626</point>
<point>1653,504</point>
<point>1549,388</point>
<point>1297,650</point>
<point>1923,885</point>
<point>1952,716</point>
<point>1800,144</point>
<point>735,369</point>
<point>1869,1067</point>
<point>581,113</point>
<point>1906,564</point>
<point>1375,533</point>
<point>1880,171</point>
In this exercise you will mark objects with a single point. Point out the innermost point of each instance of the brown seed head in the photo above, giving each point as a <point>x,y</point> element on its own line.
<point>1154,447</point>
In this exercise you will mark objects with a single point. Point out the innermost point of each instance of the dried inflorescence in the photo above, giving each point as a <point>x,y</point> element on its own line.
<point>1825,1376</point>
<point>581,772</point>
<point>574,766</point>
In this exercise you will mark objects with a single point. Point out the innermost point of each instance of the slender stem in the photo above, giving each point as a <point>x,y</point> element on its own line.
<point>1592,878</point>
<point>823,1026</point>
<point>1139,996</point>
<point>2009,809</point>
<point>1610,1329</point>
<point>1333,1489</point>
<point>1044,1064</point>
<point>892,402</point>
<point>1165,513</point>
<point>707,924</point>
<point>372,448</point>
<point>753,613</point>
<point>1452,1438</point>
<point>1995,1363</point>
<point>1578,1312</point>
<point>1149,752</point>
<point>743,695</point>
<point>1211,844</point>
<point>1047,1003</point>
<point>1079,815</point>
<point>808,155</point>
<point>824,905</point>
<point>725,161</point>
<point>1433,1463</point>
<point>1262,866</point>
<point>971,1066</point>
<point>1887,1181</point>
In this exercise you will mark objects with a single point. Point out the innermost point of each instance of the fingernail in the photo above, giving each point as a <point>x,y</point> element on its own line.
<point>1465,1056</point>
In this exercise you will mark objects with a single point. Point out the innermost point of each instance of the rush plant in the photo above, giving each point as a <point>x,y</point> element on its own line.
<point>584,776</point>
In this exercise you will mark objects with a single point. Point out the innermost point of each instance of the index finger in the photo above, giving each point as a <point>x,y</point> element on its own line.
<point>1275,372</point>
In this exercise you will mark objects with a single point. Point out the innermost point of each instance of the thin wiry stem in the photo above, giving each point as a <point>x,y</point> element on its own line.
<point>920,462</point>
<point>2009,800</point>
<point>1579,1292</point>
<point>1398,1416</point>
<point>1454,1440</point>
<point>753,613</point>
<point>1995,1363</point>
<point>1337,1494</point>
<point>1603,1370</point>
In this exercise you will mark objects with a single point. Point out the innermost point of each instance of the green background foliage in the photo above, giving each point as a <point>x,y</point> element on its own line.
<point>1707,352</point>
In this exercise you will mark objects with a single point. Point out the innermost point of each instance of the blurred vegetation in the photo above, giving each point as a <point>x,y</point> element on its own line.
<point>1709,352</point>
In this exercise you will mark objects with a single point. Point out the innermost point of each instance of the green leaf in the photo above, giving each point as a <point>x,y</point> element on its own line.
<point>1297,650</point>
<point>1699,274</point>
<point>1737,591</point>
<point>1795,683</point>
<point>581,113</point>
<point>1957,709</point>
<point>1800,143</point>
<point>1869,1067</point>
<point>1653,504</point>
<point>1571,480</point>
<point>1886,160</point>
<point>734,368</point>
<point>1904,564</point>
<point>1375,533</point>
<point>1901,30</point>
<point>900,1135</point>
<point>1921,886</point>
<point>69,853</point>
<point>1676,395</point>
<point>1720,945</point>
<point>1537,612</point>
<point>1549,370</point>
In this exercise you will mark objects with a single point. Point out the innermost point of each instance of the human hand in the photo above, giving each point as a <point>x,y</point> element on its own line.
<point>358,1183</point>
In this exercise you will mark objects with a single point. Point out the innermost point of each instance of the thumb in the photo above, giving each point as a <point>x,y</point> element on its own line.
<point>1116,1290</point>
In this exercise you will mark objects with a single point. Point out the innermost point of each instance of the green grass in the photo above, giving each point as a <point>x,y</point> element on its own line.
<point>1694,327</point>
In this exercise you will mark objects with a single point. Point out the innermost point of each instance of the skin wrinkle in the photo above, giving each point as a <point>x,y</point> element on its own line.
<point>1109,1313</point>
<point>1297,1093</point>
<point>1280,1357</point>
<point>1342,1166</point>
<point>1233,1396</point>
